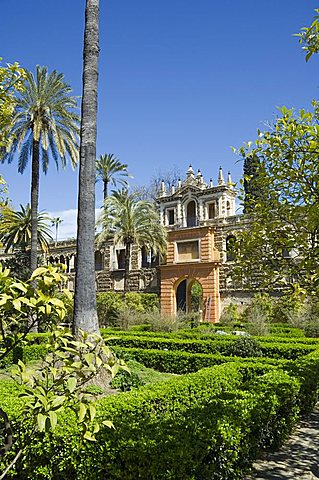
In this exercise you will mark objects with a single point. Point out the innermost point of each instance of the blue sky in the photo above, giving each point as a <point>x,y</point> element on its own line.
<point>180,80</point>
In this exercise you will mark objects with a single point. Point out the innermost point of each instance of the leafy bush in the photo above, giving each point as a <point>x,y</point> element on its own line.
<point>230,314</point>
<point>108,306</point>
<point>125,381</point>
<point>124,310</point>
<point>183,362</point>
<point>222,345</point>
<point>245,347</point>
<point>204,425</point>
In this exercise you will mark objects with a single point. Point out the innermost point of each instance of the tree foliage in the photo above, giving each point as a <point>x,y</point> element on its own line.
<point>309,37</point>
<point>11,81</point>
<point>45,125</point>
<point>128,220</point>
<point>60,382</point>
<point>15,229</point>
<point>280,244</point>
<point>110,170</point>
<point>251,185</point>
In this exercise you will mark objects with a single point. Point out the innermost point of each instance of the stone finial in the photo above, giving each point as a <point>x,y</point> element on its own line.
<point>173,189</point>
<point>211,184</point>
<point>199,177</point>
<point>163,189</point>
<point>190,172</point>
<point>179,183</point>
<point>221,180</point>
<point>229,180</point>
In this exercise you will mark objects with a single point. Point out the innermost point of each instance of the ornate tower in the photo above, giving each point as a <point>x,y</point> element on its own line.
<point>189,212</point>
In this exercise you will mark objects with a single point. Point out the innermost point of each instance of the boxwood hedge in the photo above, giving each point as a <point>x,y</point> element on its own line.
<point>209,424</point>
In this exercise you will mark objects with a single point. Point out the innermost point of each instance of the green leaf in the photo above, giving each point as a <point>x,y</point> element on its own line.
<point>82,412</point>
<point>89,436</point>
<point>92,411</point>
<point>58,401</point>
<point>53,419</point>
<point>41,420</point>
<point>71,384</point>
<point>17,304</point>
<point>108,424</point>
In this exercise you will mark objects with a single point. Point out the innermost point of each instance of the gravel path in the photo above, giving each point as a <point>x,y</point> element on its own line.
<point>298,459</point>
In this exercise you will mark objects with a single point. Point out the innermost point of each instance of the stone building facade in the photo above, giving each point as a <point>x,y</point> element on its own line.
<point>200,219</point>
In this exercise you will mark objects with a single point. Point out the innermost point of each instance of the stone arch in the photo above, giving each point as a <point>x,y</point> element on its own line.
<point>183,292</point>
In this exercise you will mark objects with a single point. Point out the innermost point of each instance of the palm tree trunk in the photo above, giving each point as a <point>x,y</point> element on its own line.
<point>105,190</point>
<point>34,204</point>
<point>128,247</point>
<point>85,315</point>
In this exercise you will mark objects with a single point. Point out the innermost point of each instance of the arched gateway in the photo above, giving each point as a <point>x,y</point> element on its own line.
<point>191,257</point>
<point>193,213</point>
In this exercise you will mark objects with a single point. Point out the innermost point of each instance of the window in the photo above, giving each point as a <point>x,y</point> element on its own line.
<point>149,258</point>
<point>211,210</point>
<point>145,257</point>
<point>191,214</point>
<point>188,251</point>
<point>120,255</point>
<point>98,257</point>
<point>171,216</point>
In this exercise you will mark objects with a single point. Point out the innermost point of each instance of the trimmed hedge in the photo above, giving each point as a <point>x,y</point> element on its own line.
<point>26,353</point>
<point>184,362</point>
<point>196,335</point>
<point>222,346</point>
<point>211,424</point>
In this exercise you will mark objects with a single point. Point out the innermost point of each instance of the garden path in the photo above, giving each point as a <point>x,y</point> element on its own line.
<point>298,459</point>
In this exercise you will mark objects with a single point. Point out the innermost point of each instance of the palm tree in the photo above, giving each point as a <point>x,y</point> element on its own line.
<point>55,222</point>
<point>110,170</point>
<point>85,315</point>
<point>44,125</point>
<point>15,229</point>
<point>129,220</point>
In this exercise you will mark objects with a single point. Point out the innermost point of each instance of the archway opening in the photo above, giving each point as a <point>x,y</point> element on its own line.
<point>181,297</point>
<point>195,297</point>
<point>191,214</point>
<point>189,296</point>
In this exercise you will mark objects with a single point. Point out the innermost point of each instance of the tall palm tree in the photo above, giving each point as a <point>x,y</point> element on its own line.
<point>111,171</point>
<point>15,229</point>
<point>44,125</point>
<point>129,220</point>
<point>85,315</point>
<point>55,222</point>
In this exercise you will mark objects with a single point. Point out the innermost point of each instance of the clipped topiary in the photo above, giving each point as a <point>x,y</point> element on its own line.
<point>244,347</point>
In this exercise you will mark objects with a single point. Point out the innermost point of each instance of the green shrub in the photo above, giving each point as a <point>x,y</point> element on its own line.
<point>112,307</point>
<point>230,314</point>
<point>108,306</point>
<point>222,345</point>
<point>203,425</point>
<point>183,362</point>
<point>245,347</point>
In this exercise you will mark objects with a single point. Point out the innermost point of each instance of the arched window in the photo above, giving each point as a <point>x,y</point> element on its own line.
<point>228,208</point>
<point>191,219</point>
<point>230,246</point>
